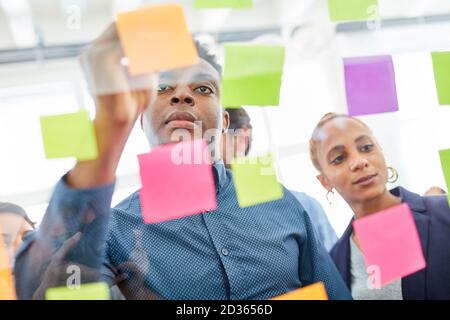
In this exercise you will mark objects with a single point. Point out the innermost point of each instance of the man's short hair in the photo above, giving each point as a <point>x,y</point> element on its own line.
<point>6,207</point>
<point>204,53</point>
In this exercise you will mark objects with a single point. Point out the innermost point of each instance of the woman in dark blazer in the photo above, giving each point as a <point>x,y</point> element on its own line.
<point>349,159</point>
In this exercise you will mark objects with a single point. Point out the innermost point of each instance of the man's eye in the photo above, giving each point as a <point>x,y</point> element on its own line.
<point>204,90</point>
<point>338,160</point>
<point>367,147</point>
<point>163,87</point>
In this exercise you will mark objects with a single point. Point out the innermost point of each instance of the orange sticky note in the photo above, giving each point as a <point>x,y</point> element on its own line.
<point>315,291</point>
<point>7,290</point>
<point>156,38</point>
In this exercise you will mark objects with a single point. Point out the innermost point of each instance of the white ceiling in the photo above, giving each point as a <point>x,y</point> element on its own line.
<point>50,18</point>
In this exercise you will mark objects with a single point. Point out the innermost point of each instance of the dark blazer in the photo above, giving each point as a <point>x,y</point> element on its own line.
<point>432,217</point>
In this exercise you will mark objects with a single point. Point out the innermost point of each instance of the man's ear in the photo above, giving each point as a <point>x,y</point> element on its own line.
<point>225,121</point>
<point>324,182</point>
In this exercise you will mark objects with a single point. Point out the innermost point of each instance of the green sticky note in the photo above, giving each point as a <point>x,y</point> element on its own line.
<point>252,75</point>
<point>441,65</point>
<point>353,10</point>
<point>89,291</point>
<point>217,4</point>
<point>69,135</point>
<point>255,181</point>
<point>445,162</point>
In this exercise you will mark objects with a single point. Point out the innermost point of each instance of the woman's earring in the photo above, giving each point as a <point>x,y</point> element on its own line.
<point>392,175</point>
<point>330,192</point>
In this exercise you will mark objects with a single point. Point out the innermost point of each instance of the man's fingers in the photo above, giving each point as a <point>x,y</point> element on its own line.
<point>68,246</point>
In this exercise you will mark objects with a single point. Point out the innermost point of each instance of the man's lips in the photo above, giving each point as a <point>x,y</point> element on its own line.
<point>363,181</point>
<point>180,119</point>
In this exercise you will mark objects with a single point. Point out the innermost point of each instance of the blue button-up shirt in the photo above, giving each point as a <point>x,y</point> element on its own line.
<point>257,252</point>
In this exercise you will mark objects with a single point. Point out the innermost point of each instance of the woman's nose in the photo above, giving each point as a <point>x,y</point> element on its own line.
<point>359,163</point>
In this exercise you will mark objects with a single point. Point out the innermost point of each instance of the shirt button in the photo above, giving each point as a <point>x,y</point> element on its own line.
<point>225,252</point>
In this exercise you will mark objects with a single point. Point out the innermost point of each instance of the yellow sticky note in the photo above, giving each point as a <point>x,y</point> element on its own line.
<point>353,10</point>
<point>441,66</point>
<point>445,162</point>
<point>89,291</point>
<point>69,135</point>
<point>255,181</point>
<point>156,39</point>
<point>7,289</point>
<point>315,291</point>
<point>252,75</point>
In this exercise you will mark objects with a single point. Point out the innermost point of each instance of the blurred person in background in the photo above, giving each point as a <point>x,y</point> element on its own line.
<point>237,142</point>
<point>14,226</point>
<point>435,191</point>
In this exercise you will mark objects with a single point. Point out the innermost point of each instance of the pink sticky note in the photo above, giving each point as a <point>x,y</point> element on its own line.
<point>177,181</point>
<point>389,241</point>
<point>370,85</point>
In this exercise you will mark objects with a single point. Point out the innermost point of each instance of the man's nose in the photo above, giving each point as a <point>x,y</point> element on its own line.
<point>180,99</point>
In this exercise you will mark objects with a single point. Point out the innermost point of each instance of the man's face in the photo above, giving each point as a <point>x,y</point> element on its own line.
<point>188,100</point>
<point>13,227</point>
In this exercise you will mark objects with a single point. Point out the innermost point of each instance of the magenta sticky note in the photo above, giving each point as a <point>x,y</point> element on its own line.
<point>177,181</point>
<point>390,242</point>
<point>370,85</point>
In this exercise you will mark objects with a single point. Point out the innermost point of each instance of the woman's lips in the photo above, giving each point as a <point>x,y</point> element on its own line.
<point>364,181</point>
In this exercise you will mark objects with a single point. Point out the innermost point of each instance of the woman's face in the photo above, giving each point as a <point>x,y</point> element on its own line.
<point>351,160</point>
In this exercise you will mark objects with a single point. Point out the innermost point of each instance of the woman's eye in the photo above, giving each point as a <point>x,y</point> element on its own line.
<point>163,87</point>
<point>366,147</point>
<point>338,160</point>
<point>204,90</point>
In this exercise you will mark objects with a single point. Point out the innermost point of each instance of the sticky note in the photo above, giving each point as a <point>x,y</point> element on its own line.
<point>69,135</point>
<point>88,291</point>
<point>315,291</point>
<point>441,66</point>
<point>156,38</point>
<point>252,75</point>
<point>390,242</point>
<point>215,4</point>
<point>370,85</point>
<point>177,181</point>
<point>445,162</point>
<point>255,180</point>
<point>7,288</point>
<point>351,10</point>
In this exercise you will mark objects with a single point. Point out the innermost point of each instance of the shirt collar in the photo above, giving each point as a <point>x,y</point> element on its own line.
<point>220,175</point>
<point>414,201</point>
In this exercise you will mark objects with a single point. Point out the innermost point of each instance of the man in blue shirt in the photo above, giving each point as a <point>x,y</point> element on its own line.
<point>230,253</point>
